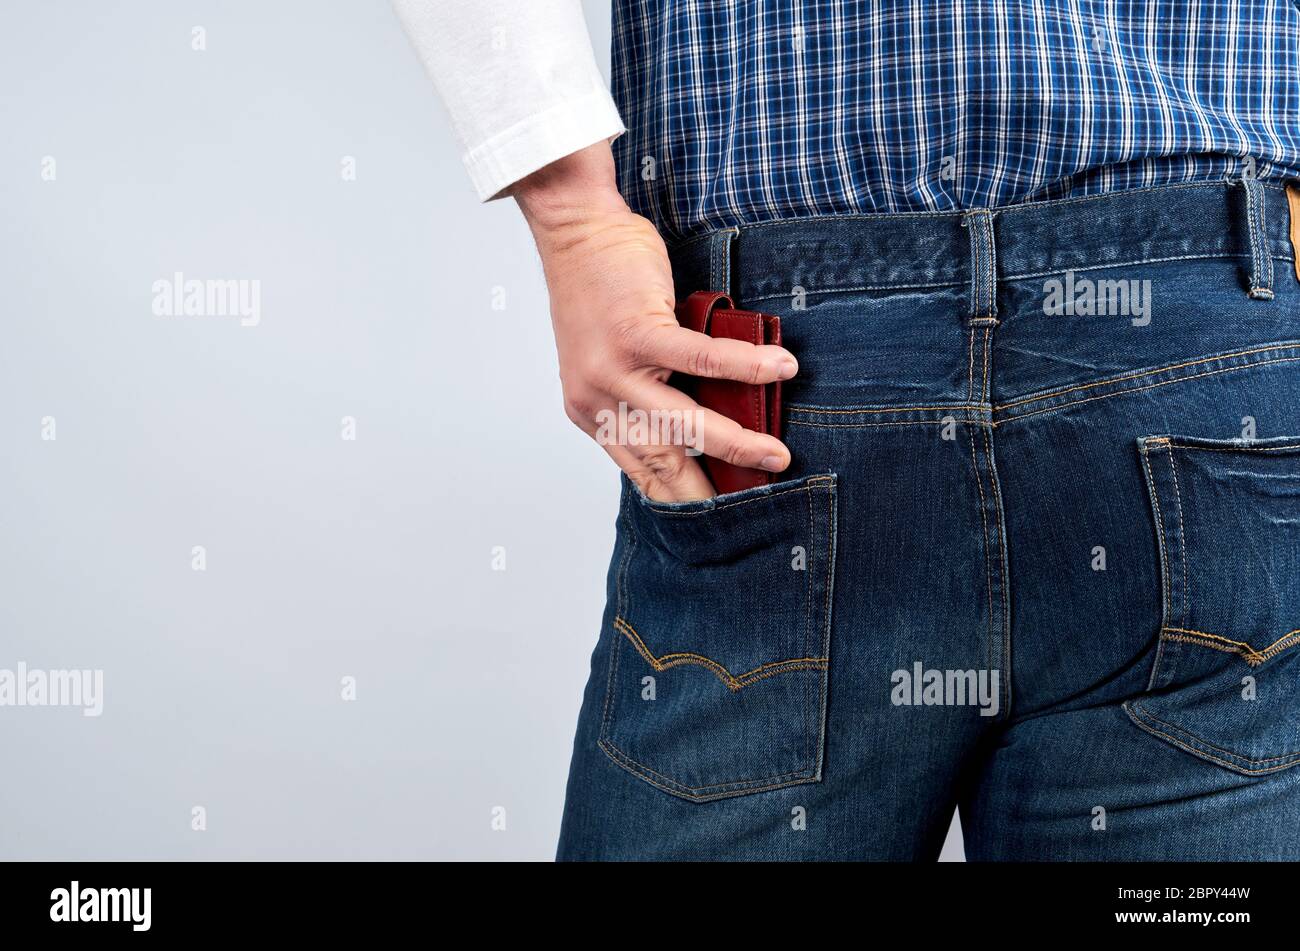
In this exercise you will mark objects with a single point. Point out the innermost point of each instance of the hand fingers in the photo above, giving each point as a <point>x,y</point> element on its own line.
<point>718,358</point>
<point>688,423</point>
<point>664,473</point>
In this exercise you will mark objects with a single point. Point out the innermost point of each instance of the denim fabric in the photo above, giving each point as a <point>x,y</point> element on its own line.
<point>1035,558</point>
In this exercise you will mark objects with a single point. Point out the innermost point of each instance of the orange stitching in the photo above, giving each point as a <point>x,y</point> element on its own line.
<point>1138,374</point>
<point>812,664</point>
<point>1249,654</point>
<point>732,681</point>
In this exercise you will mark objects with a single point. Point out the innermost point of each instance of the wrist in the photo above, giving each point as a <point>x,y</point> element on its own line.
<point>569,191</point>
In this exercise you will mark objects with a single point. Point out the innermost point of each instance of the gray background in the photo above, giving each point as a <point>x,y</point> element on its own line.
<point>326,558</point>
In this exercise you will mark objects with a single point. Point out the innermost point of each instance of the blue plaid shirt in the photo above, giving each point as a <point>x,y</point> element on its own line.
<point>752,110</point>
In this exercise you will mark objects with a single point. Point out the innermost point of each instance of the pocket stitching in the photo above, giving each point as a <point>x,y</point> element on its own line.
<point>1181,633</point>
<point>1186,599</point>
<point>614,650</point>
<point>658,507</point>
<point>732,681</point>
<point>1139,716</point>
<point>1250,655</point>
<point>825,483</point>
<point>832,531</point>
<point>1164,557</point>
<point>671,785</point>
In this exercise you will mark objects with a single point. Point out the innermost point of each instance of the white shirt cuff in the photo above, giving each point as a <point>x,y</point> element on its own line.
<point>539,140</point>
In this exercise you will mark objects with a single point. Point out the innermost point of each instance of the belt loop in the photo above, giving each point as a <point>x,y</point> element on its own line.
<point>983,266</point>
<point>720,260</point>
<point>1261,261</point>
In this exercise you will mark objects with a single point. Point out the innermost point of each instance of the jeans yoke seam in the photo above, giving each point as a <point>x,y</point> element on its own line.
<point>1139,374</point>
<point>1140,389</point>
<point>1135,262</point>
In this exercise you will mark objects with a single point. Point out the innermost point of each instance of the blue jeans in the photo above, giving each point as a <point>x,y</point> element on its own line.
<point>1037,557</point>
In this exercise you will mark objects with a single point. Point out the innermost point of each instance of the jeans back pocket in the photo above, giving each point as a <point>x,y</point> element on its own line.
<point>1225,684</point>
<point>721,639</point>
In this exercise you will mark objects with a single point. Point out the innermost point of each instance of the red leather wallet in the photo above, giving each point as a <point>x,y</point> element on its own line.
<point>755,406</point>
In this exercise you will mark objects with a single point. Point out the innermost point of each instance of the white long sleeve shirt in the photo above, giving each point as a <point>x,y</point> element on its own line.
<point>519,78</point>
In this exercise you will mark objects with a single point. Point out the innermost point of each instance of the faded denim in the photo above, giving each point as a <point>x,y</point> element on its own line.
<point>1095,519</point>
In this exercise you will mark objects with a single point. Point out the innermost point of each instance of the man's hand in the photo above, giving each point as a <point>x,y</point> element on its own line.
<point>611,292</point>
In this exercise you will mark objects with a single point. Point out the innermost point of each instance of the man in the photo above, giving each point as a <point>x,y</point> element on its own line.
<point>1028,547</point>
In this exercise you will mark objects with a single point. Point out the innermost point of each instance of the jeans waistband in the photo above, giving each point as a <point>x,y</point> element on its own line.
<point>1245,219</point>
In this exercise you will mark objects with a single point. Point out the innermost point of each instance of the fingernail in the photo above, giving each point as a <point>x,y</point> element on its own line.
<point>773,463</point>
<point>787,369</point>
